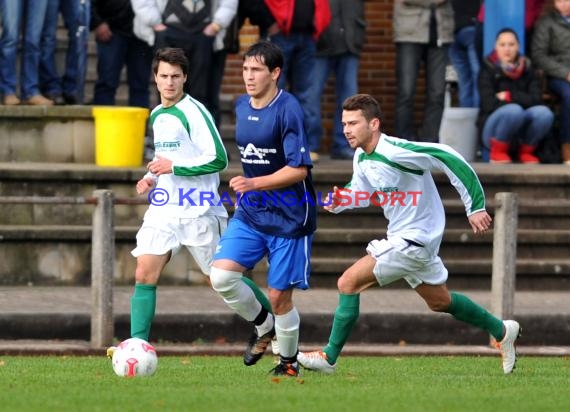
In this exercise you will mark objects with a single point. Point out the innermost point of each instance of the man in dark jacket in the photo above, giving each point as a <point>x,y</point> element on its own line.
<point>551,52</point>
<point>117,46</point>
<point>338,51</point>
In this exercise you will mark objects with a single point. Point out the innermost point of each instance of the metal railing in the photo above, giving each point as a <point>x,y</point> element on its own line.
<point>103,255</point>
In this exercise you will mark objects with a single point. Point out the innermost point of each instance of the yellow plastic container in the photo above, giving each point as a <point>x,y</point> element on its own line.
<point>119,135</point>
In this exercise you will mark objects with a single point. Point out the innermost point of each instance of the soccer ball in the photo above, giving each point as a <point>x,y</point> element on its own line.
<point>135,357</point>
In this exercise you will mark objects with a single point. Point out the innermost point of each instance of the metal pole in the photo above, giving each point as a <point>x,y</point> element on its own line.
<point>504,255</point>
<point>102,266</point>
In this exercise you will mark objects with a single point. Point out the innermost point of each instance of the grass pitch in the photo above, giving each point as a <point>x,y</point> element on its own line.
<point>212,384</point>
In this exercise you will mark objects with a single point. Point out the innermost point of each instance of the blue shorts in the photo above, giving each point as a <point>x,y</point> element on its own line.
<point>289,259</point>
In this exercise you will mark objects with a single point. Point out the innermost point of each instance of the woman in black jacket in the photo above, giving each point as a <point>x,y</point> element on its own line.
<point>511,103</point>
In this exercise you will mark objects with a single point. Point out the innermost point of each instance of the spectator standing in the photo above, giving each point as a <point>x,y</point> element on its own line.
<point>188,25</point>
<point>338,52</point>
<point>511,103</point>
<point>117,46</point>
<point>27,17</point>
<point>423,31</point>
<point>223,19</point>
<point>298,26</point>
<point>463,51</point>
<point>69,88</point>
<point>551,52</point>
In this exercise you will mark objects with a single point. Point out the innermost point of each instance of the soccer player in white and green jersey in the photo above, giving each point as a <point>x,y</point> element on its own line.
<point>395,174</point>
<point>182,186</point>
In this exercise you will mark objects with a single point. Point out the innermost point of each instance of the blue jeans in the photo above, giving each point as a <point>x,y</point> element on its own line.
<point>298,71</point>
<point>345,69</point>
<point>408,60</point>
<point>463,56</point>
<point>14,15</point>
<point>562,89</point>
<point>512,122</point>
<point>123,50</point>
<point>75,15</point>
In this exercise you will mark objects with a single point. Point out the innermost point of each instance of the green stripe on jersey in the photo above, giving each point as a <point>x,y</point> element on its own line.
<point>459,168</point>
<point>381,158</point>
<point>221,160</point>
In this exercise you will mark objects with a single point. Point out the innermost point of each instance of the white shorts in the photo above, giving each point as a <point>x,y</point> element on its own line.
<point>200,236</point>
<point>397,259</point>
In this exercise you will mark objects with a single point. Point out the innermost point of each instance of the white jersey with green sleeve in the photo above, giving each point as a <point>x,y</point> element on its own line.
<point>397,176</point>
<point>185,133</point>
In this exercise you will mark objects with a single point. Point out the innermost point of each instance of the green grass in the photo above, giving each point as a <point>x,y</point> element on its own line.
<point>212,384</point>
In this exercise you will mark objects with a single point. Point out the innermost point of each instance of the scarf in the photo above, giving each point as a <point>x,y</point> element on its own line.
<point>511,70</point>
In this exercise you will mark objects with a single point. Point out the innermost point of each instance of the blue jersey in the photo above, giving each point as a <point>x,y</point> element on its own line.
<point>269,139</point>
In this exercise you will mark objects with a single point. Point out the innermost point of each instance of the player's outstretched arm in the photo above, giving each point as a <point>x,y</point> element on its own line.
<point>480,221</point>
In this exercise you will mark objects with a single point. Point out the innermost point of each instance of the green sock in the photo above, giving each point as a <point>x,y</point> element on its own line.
<point>258,293</point>
<point>143,305</point>
<point>345,317</point>
<point>464,309</point>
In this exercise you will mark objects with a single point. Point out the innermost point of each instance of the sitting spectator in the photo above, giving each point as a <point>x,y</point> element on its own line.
<point>551,51</point>
<point>26,17</point>
<point>117,46</point>
<point>511,103</point>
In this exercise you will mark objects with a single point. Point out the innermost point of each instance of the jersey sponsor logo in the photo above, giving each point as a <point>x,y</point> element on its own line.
<point>167,146</point>
<point>255,155</point>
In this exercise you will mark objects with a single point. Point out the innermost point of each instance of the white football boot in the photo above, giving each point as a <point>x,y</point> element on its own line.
<point>507,345</point>
<point>316,361</point>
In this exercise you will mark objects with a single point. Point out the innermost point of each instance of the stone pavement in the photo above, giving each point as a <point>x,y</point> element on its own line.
<point>193,319</point>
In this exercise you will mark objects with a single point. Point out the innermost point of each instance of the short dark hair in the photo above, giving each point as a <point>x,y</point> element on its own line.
<point>170,55</point>
<point>268,53</point>
<point>368,104</point>
<point>507,30</point>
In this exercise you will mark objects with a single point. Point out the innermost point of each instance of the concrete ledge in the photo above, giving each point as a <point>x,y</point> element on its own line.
<point>373,329</point>
<point>47,134</point>
<point>61,112</point>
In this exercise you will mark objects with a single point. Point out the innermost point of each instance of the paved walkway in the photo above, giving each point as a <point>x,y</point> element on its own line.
<point>199,299</point>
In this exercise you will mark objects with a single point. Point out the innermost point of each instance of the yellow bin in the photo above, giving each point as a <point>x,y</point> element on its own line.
<point>119,135</point>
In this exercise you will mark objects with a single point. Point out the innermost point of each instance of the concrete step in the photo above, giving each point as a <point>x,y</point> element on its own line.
<point>197,315</point>
<point>54,254</point>
<point>532,273</point>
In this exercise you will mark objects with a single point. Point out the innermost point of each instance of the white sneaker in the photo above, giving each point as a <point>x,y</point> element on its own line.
<point>507,345</point>
<point>275,346</point>
<point>316,361</point>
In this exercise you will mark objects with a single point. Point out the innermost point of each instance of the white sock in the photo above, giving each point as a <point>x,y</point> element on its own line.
<point>266,326</point>
<point>287,332</point>
<point>235,293</point>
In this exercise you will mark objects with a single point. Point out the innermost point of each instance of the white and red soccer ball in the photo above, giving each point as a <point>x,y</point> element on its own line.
<point>135,357</point>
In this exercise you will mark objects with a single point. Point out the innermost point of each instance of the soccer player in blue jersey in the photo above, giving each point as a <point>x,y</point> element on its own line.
<point>276,216</point>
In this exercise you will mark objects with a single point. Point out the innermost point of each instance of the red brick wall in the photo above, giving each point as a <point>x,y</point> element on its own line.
<point>376,77</point>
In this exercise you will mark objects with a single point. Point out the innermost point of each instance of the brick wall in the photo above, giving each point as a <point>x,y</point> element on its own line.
<point>376,77</point>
